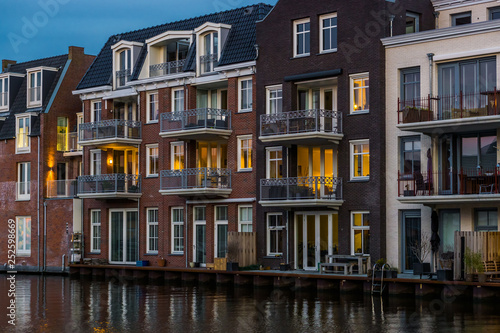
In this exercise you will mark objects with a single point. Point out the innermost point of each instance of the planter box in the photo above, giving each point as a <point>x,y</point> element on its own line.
<point>232,266</point>
<point>387,274</point>
<point>445,275</point>
<point>284,267</point>
<point>421,268</point>
<point>220,264</point>
<point>142,263</point>
<point>409,193</point>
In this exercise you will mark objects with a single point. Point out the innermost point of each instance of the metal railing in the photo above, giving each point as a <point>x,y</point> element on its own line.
<point>109,183</point>
<point>208,62</point>
<point>167,68</point>
<point>214,178</point>
<point>303,121</point>
<point>34,94</point>
<point>195,119</point>
<point>108,129</point>
<point>61,188</point>
<point>122,77</point>
<point>463,105</point>
<point>466,181</point>
<point>301,188</point>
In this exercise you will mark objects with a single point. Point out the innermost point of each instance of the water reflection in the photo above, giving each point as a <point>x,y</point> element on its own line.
<point>59,304</point>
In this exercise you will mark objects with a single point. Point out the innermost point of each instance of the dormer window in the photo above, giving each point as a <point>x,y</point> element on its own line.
<point>210,55</point>
<point>22,134</point>
<point>211,38</point>
<point>125,68</point>
<point>4,93</point>
<point>35,88</point>
<point>125,55</point>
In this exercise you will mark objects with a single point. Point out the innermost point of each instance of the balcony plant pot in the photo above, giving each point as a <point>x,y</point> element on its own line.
<point>162,262</point>
<point>284,267</point>
<point>421,268</point>
<point>481,278</point>
<point>191,264</point>
<point>444,275</point>
<point>469,277</point>
<point>232,267</point>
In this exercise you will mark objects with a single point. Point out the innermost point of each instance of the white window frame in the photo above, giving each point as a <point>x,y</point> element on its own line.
<point>296,35</point>
<point>269,160</point>
<point>352,78</point>
<point>152,101</point>
<point>322,28</point>
<point>274,100</point>
<point>38,80</point>
<point>242,138</point>
<point>95,161</point>
<point>26,148</point>
<point>269,231</point>
<point>149,157</point>
<point>352,157</point>
<point>197,222</point>
<point>216,224</point>
<point>93,236</point>
<point>355,228</point>
<point>26,185</point>
<point>249,90</point>
<point>245,223</point>
<point>174,153</point>
<point>417,20</point>
<point>4,93</point>
<point>176,99</point>
<point>128,61</point>
<point>149,237</point>
<point>94,110</point>
<point>174,226</point>
<point>24,220</point>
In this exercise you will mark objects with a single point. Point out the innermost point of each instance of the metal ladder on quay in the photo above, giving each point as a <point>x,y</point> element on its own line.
<point>379,287</point>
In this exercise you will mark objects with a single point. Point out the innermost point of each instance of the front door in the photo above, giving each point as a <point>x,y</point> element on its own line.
<point>123,240</point>
<point>411,236</point>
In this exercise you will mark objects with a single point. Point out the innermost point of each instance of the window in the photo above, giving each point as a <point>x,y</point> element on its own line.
<point>328,34</point>
<point>178,100</point>
<point>177,230</point>
<point>302,31</point>
<point>412,22</point>
<point>152,160</point>
<point>486,219</point>
<point>449,222</point>
<point>22,136</point>
<point>23,235</point>
<point>152,107</point>
<point>245,95</point>
<point>34,88</point>
<point>274,100</point>
<point>62,134</point>
<point>410,85</point>
<point>220,231</point>
<point>360,159</point>
<point>4,93</point>
<point>360,233</point>
<point>461,18</point>
<point>245,153</point>
<point>274,157</point>
<point>95,162</point>
<point>478,152</point>
<point>125,67</point>
<point>245,219</point>
<point>152,236</point>
<point>494,13</point>
<point>410,155</point>
<point>95,230</point>
<point>275,232</point>
<point>177,155</point>
<point>210,56</point>
<point>96,111</point>
<point>360,93</point>
<point>23,180</point>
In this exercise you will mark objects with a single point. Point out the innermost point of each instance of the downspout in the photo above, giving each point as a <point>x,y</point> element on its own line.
<point>256,51</point>
<point>44,234</point>
<point>38,207</point>
<point>186,215</point>
<point>288,213</point>
<point>391,20</point>
<point>431,65</point>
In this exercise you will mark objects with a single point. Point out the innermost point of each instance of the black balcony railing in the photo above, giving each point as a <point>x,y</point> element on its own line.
<point>167,68</point>
<point>109,183</point>
<point>301,188</point>
<point>109,129</point>
<point>303,121</point>
<point>203,118</point>
<point>195,178</point>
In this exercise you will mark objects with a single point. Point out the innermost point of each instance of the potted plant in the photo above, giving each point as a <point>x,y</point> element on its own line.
<point>232,257</point>
<point>407,192</point>
<point>473,265</point>
<point>446,263</point>
<point>421,250</point>
<point>162,262</point>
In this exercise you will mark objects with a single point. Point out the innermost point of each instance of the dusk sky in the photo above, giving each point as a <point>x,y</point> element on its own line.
<point>34,29</point>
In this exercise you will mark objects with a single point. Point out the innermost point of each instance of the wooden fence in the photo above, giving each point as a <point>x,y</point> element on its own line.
<point>245,246</point>
<point>486,243</point>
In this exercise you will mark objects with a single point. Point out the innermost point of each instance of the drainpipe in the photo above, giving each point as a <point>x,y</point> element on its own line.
<point>38,207</point>
<point>186,234</point>
<point>431,64</point>
<point>391,20</point>
<point>63,263</point>
<point>256,51</point>
<point>44,235</point>
<point>436,19</point>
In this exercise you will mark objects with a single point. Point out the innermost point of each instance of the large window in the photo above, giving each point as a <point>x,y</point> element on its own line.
<point>221,220</point>
<point>96,111</point>
<point>152,231</point>
<point>245,95</point>
<point>461,18</point>
<point>275,233</point>
<point>274,100</point>
<point>302,32</point>
<point>245,153</point>
<point>360,233</point>
<point>412,22</point>
<point>152,160</point>
<point>23,235</point>
<point>328,36</point>
<point>245,219</point>
<point>177,155</point>
<point>178,100</point>
<point>486,219</point>
<point>95,162</point>
<point>4,92</point>
<point>62,134</point>
<point>23,180</point>
<point>360,159</point>
<point>177,230</point>
<point>210,53</point>
<point>449,222</point>
<point>152,107</point>
<point>124,67</point>
<point>494,13</point>
<point>410,155</point>
<point>360,92</point>
<point>95,231</point>
<point>410,85</point>
<point>274,157</point>
<point>479,152</point>
<point>35,88</point>
<point>22,134</point>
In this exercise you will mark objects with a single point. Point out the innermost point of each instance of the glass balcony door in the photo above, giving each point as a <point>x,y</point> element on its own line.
<point>123,240</point>
<point>313,162</point>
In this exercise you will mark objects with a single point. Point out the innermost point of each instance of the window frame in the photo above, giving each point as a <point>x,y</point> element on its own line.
<point>175,99</point>
<point>27,147</point>
<point>402,150</point>
<point>177,225</point>
<point>217,222</point>
<point>127,66</point>
<point>351,155</point>
<point>278,100</point>
<point>275,160</point>
<point>296,23</point>
<point>485,228</point>
<point>4,99</point>
<point>352,78</point>
<point>403,73</point>
<point>26,173</point>
<point>150,224</point>
<point>38,80</point>
<point>492,11</point>
<point>361,228</point>
<point>240,139</point>
<point>23,252</point>
<point>247,223</point>
<point>456,16</point>
<point>94,224</point>
<point>249,91</point>
<point>94,111</point>
<point>416,18</point>
<point>95,162</point>
<point>173,154</point>
<point>279,233</point>
<point>149,157</point>
<point>152,99</point>
<point>322,29</point>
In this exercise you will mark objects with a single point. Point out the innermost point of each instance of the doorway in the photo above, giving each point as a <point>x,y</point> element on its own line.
<point>411,227</point>
<point>123,242</point>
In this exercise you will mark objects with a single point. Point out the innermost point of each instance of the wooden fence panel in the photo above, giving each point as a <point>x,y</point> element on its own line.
<point>486,243</point>
<point>245,244</point>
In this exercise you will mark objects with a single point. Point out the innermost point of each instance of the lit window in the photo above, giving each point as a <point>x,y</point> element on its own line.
<point>302,31</point>
<point>360,233</point>
<point>152,236</point>
<point>275,232</point>
<point>152,160</point>
<point>152,107</point>
<point>4,93</point>
<point>245,219</point>
<point>360,159</point>
<point>274,100</point>
<point>23,235</point>
<point>274,157</point>
<point>328,37</point>
<point>95,230</point>
<point>62,134</point>
<point>360,94</point>
<point>246,95</point>
<point>177,155</point>
<point>177,230</point>
<point>35,88</point>
<point>245,153</point>
<point>23,180</point>
<point>22,134</point>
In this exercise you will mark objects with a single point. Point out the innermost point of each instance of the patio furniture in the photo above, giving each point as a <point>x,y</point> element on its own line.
<point>358,260</point>
<point>347,267</point>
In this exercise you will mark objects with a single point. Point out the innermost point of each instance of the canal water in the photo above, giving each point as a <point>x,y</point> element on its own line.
<point>62,304</point>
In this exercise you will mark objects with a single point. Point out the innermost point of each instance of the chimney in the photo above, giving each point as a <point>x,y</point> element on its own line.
<point>75,51</point>
<point>6,63</point>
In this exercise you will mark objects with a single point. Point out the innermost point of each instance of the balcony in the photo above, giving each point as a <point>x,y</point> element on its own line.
<point>68,143</point>
<point>450,113</point>
<point>196,124</point>
<point>301,191</point>
<point>463,186</point>
<point>61,188</point>
<point>305,126</point>
<point>110,131</point>
<point>110,186</point>
<point>208,62</point>
<point>122,77</point>
<point>167,68</point>
<point>202,182</point>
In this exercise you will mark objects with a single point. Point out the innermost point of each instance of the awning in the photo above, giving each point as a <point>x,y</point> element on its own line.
<point>313,76</point>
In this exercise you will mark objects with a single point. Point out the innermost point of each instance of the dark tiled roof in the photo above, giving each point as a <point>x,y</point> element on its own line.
<point>239,46</point>
<point>18,105</point>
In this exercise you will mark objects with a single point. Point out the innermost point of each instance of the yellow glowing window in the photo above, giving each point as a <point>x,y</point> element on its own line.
<point>360,94</point>
<point>360,232</point>
<point>62,134</point>
<point>23,130</point>
<point>245,153</point>
<point>361,159</point>
<point>177,156</point>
